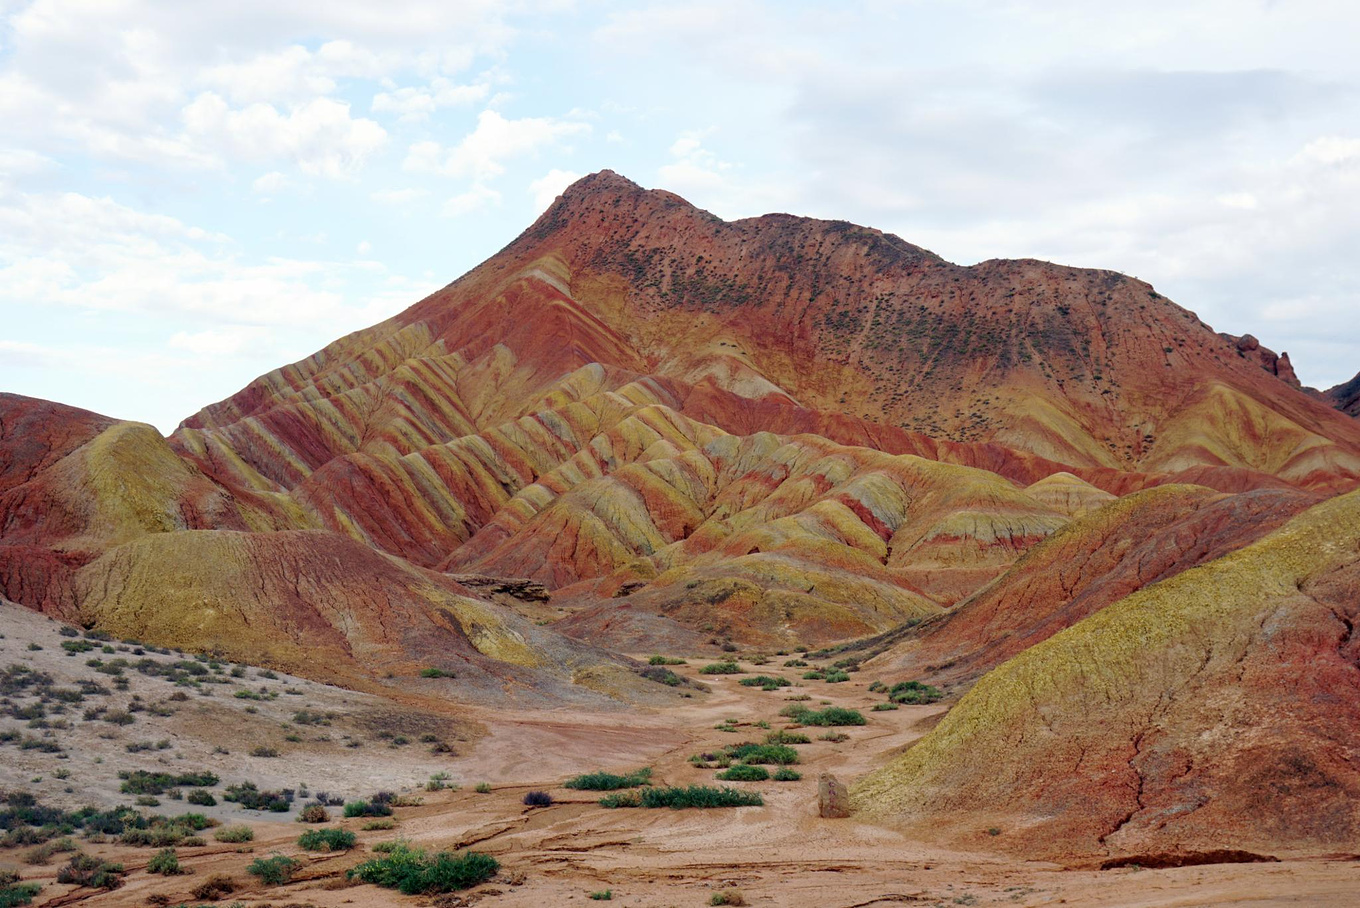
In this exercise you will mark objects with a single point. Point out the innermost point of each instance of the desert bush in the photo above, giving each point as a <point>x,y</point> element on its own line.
<point>721,668</point>
<point>13,892</point>
<point>483,788</point>
<point>413,871</point>
<point>914,692</point>
<point>157,783</point>
<point>665,660</point>
<point>832,715</point>
<point>836,677</point>
<point>43,853</point>
<point>333,839</point>
<point>202,798</point>
<point>214,887</point>
<point>164,862</point>
<point>696,796</point>
<point>371,808</point>
<point>604,895</point>
<point>748,752</point>
<point>234,835</point>
<point>313,813</point>
<point>608,781</point>
<point>727,897</point>
<point>744,773</point>
<point>765,682</point>
<point>885,707</point>
<point>784,736</point>
<point>263,751</point>
<point>251,797</point>
<point>274,870</point>
<point>91,872</point>
<point>383,823</point>
<point>538,799</point>
<point>784,774</point>
<point>433,672</point>
<point>662,676</point>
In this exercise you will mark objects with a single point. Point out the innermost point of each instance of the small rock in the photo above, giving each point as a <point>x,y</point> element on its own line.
<point>833,799</point>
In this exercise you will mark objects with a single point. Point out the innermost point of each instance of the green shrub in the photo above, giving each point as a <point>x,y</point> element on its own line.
<point>698,796</point>
<point>252,798</point>
<point>744,773</point>
<point>483,788</point>
<point>914,692</point>
<point>202,798</point>
<point>784,774</point>
<point>721,668</point>
<point>784,736</point>
<point>164,862</point>
<point>604,895</point>
<point>235,835</point>
<point>141,782</point>
<point>765,682</point>
<point>727,897</point>
<point>433,672</point>
<point>84,870</point>
<point>665,660</point>
<point>608,781</point>
<point>748,752</point>
<point>662,676</point>
<point>884,707</point>
<point>384,823</point>
<point>274,870</point>
<point>333,839</point>
<point>836,677</point>
<point>413,871</point>
<point>14,892</point>
<point>814,675</point>
<point>374,808</point>
<point>831,716</point>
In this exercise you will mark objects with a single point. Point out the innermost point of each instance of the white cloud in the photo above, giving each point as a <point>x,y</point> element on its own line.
<point>269,183</point>
<point>482,153</point>
<point>549,186</point>
<point>694,168</point>
<point>228,340</point>
<point>475,199</point>
<point>19,353</point>
<point>364,247</point>
<point>415,104</point>
<point>319,136</point>
<point>1331,150</point>
<point>93,254</point>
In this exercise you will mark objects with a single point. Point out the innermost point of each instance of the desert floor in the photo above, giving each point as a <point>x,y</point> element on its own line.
<point>781,854</point>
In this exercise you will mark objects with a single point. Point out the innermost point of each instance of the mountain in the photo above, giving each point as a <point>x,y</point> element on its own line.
<point>1124,539</point>
<point>813,429</point>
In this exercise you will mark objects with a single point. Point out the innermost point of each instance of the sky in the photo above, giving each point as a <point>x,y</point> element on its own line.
<point>192,194</point>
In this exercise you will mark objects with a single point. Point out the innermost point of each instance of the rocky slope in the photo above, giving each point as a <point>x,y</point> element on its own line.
<point>1345,396</point>
<point>1214,711</point>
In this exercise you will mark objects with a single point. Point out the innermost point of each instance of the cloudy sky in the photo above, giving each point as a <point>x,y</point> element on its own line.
<point>193,193</point>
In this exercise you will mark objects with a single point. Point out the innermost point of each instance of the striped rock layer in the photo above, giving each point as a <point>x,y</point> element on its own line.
<point>1050,485</point>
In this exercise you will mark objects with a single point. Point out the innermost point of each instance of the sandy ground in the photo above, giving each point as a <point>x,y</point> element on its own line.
<point>781,854</point>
